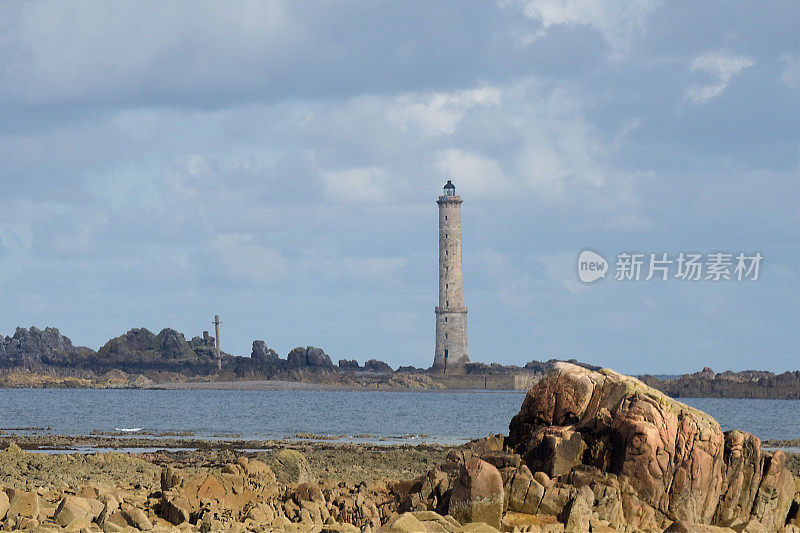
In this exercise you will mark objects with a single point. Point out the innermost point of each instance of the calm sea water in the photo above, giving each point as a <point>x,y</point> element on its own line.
<point>442,416</point>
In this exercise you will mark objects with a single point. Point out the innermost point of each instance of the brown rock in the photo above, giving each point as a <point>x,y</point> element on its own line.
<point>684,526</point>
<point>27,524</point>
<point>477,527</point>
<point>523,493</point>
<point>309,492</point>
<point>234,491</point>
<point>517,488</point>
<point>502,459</point>
<point>793,518</point>
<point>744,464</point>
<point>4,505</point>
<point>775,492</point>
<point>174,507</point>
<point>100,492</point>
<point>477,494</point>
<point>579,511</point>
<point>22,504</point>
<point>72,508</point>
<point>135,517</point>
<point>291,466</point>
<point>113,520</point>
<point>431,491</point>
<point>672,461</point>
<point>405,523</point>
<point>555,499</point>
<point>542,478</point>
<point>555,450</point>
<point>752,526</point>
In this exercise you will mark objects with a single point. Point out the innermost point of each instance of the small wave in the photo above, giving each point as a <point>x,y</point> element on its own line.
<point>128,430</point>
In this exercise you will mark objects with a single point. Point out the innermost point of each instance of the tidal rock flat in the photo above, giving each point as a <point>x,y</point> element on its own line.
<point>588,451</point>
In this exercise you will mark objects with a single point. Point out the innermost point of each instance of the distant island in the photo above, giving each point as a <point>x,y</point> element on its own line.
<point>139,358</point>
<point>745,384</point>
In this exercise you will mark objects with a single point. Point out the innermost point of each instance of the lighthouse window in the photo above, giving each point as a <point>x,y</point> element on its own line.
<point>445,218</point>
<point>446,253</point>
<point>445,335</point>
<point>445,319</point>
<point>446,286</point>
<point>447,303</point>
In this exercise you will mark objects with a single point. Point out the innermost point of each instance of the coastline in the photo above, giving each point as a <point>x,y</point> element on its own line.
<point>333,454</point>
<point>282,385</point>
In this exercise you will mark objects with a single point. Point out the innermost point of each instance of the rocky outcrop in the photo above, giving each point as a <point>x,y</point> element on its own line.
<point>291,466</point>
<point>349,365</point>
<point>33,347</point>
<point>544,367</point>
<point>746,384</point>
<point>379,367</point>
<point>665,460</point>
<point>262,354</point>
<point>140,347</point>
<point>166,356</point>
<point>207,497</point>
<point>310,356</point>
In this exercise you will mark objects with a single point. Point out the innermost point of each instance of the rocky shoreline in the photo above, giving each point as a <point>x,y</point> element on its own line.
<point>588,451</point>
<point>140,359</point>
<point>757,384</point>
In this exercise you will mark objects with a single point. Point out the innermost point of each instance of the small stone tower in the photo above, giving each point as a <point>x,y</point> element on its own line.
<point>451,315</point>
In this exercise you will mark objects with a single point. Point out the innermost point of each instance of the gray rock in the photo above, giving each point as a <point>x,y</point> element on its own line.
<point>349,364</point>
<point>263,354</point>
<point>373,365</point>
<point>309,356</point>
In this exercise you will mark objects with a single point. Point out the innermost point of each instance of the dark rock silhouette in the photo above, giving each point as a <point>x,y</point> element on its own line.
<point>309,356</point>
<point>373,365</point>
<point>31,348</point>
<point>263,354</point>
<point>745,384</point>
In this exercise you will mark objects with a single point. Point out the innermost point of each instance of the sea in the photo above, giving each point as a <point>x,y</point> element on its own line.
<point>449,417</point>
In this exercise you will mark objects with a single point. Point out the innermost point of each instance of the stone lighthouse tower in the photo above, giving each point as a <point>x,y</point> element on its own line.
<point>451,315</point>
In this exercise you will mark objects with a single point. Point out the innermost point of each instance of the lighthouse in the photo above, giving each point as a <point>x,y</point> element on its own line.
<point>451,314</point>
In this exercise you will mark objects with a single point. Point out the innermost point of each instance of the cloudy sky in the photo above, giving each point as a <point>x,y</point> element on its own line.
<point>277,163</point>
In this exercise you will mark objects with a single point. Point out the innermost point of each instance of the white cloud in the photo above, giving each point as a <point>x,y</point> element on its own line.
<point>721,67</point>
<point>439,113</point>
<point>477,175</point>
<point>791,70</point>
<point>55,52</point>
<point>357,184</point>
<point>620,22</point>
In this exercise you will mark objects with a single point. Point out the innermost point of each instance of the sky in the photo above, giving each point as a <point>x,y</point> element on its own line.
<point>277,163</point>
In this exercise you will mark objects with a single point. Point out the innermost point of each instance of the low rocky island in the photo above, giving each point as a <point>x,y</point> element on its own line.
<point>141,359</point>
<point>36,358</point>
<point>589,450</point>
<point>746,384</point>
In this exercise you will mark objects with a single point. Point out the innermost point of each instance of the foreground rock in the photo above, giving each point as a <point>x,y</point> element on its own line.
<point>664,460</point>
<point>477,494</point>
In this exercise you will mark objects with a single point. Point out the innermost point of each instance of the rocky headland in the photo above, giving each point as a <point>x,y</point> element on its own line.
<point>588,451</point>
<point>745,384</point>
<point>140,358</point>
